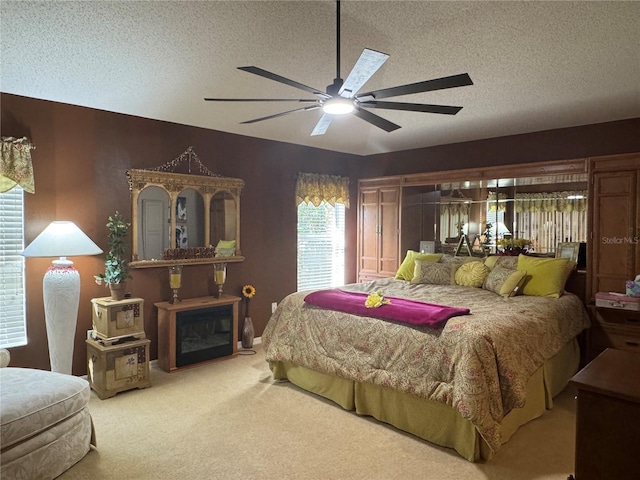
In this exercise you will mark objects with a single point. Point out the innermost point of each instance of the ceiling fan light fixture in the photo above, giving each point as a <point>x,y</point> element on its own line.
<point>338,106</point>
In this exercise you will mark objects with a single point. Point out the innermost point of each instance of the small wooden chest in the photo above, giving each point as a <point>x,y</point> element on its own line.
<point>115,319</point>
<point>116,368</point>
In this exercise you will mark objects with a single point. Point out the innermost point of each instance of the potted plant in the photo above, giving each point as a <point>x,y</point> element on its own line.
<point>116,271</point>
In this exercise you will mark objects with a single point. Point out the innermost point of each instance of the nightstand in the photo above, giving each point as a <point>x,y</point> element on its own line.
<point>613,328</point>
<point>608,417</point>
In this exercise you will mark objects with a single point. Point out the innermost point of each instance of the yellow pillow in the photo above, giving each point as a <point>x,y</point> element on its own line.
<point>490,261</point>
<point>406,270</point>
<point>545,276</point>
<point>472,274</point>
<point>504,281</point>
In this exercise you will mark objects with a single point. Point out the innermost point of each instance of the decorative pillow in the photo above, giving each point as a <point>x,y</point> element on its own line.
<point>225,248</point>
<point>458,260</point>
<point>491,260</point>
<point>434,273</point>
<point>504,281</point>
<point>471,274</point>
<point>406,270</point>
<point>545,276</point>
<point>507,261</point>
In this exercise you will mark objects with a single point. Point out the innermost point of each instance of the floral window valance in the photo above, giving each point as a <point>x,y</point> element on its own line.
<point>574,201</point>
<point>454,208</point>
<point>15,164</point>
<point>315,188</point>
<point>497,201</point>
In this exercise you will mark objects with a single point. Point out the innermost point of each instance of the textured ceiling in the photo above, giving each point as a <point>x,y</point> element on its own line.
<point>535,65</point>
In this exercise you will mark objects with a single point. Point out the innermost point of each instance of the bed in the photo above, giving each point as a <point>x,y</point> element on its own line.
<point>467,383</point>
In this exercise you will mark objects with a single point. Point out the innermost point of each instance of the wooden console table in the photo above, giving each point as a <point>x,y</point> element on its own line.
<point>167,314</point>
<point>608,417</point>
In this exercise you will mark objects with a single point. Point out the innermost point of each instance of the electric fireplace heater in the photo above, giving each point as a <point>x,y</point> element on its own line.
<point>204,334</point>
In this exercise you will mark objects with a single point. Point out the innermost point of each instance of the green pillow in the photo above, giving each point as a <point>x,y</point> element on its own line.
<point>545,276</point>
<point>471,274</point>
<point>226,244</point>
<point>490,261</point>
<point>504,281</point>
<point>225,248</point>
<point>406,270</point>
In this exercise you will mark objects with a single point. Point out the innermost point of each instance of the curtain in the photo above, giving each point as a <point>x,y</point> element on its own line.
<point>15,164</point>
<point>453,216</point>
<point>549,218</point>
<point>551,202</point>
<point>315,188</point>
<point>497,203</point>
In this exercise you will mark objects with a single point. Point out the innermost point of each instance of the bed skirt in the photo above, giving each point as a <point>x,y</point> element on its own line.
<point>430,420</point>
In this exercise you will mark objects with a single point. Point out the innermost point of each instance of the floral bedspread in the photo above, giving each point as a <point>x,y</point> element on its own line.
<point>478,364</point>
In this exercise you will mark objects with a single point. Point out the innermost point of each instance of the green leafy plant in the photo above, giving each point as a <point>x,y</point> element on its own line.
<point>116,265</point>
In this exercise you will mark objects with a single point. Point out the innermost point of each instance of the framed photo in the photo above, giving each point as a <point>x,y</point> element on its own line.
<point>181,209</point>
<point>569,250</point>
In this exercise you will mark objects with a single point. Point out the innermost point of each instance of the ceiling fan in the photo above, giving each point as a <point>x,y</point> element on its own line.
<point>342,97</point>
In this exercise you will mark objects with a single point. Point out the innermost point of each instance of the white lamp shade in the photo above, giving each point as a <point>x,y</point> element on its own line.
<point>502,229</point>
<point>61,239</point>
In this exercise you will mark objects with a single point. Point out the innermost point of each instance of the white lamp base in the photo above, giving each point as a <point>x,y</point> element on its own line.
<point>61,289</point>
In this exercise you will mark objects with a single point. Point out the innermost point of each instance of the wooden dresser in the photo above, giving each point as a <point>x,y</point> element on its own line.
<point>608,417</point>
<point>613,328</point>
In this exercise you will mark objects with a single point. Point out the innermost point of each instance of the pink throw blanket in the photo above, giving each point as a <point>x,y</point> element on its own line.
<point>399,310</point>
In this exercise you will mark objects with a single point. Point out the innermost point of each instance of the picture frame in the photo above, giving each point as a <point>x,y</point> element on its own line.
<point>568,250</point>
<point>181,209</point>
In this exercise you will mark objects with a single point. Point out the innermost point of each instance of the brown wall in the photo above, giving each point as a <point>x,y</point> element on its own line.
<point>82,155</point>
<point>80,161</point>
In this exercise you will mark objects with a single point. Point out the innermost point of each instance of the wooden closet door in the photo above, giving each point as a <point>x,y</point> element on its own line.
<point>368,236</point>
<point>615,255</point>
<point>378,228</point>
<point>388,231</point>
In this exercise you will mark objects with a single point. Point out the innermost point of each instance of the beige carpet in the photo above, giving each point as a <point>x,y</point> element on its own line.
<point>228,420</point>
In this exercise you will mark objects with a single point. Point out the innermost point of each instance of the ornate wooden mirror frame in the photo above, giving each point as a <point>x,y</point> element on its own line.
<point>209,187</point>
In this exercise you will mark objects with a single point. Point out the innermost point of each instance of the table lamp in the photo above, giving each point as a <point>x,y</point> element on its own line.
<point>61,287</point>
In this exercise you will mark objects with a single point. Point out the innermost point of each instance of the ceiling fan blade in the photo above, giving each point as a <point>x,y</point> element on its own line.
<point>368,64</point>
<point>322,125</point>
<point>413,107</point>
<point>429,85</point>
<point>286,81</point>
<point>379,122</point>
<point>299,100</point>
<point>303,109</point>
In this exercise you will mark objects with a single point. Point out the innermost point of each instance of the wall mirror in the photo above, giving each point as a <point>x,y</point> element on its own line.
<point>509,214</point>
<point>180,218</point>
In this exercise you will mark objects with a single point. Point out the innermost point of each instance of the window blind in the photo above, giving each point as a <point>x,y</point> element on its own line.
<point>321,245</point>
<point>13,331</point>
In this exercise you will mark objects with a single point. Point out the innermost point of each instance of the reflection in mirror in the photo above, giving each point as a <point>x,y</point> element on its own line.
<point>189,219</point>
<point>180,218</point>
<point>153,216</point>
<point>223,218</point>
<point>504,215</point>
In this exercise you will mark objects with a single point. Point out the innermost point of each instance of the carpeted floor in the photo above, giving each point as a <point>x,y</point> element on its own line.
<point>229,420</point>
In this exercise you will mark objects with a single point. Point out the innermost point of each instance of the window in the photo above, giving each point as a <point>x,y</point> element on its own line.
<point>13,329</point>
<point>321,243</point>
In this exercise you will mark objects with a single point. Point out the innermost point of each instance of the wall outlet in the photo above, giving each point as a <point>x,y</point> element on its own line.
<point>274,305</point>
